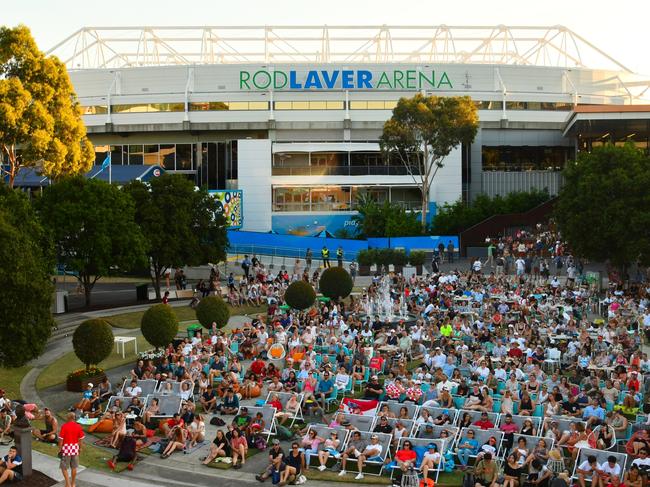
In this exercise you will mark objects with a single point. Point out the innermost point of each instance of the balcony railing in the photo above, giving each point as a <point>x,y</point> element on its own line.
<point>399,170</point>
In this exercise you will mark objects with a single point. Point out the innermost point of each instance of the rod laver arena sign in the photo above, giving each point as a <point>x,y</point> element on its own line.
<point>345,79</point>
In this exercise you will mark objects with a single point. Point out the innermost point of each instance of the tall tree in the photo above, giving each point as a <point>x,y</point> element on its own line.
<point>26,263</point>
<point>179,224</point>
<point>603,209</point>
<point>423,131</point>
<point>40,119</point>
<point>93,228</point>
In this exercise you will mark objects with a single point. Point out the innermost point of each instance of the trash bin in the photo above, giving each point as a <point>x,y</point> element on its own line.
<point>142,292</point>
<point>193,329</point>
<point>60,302</point>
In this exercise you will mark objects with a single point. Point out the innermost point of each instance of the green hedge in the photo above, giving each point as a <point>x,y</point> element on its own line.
<point>335,283</point>
<point>212,309</point>
<point>300,295</point>
<point>93,341</point>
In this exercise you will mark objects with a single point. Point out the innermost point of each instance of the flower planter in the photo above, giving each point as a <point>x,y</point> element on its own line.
<point>79,384</point>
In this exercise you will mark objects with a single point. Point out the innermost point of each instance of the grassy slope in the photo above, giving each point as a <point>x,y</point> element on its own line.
<point>10,380</point>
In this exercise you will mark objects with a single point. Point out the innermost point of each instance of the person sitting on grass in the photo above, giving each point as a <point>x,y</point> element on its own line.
<point>238,447</point>
<point>168,426</point>
<point>119,430</point>
<point>196,431</point>
<point>276,458</point>
<point>127,453</point>
<point>11,467</point>
<point>208,399</point>
<point>219,447</point>
<point>48,434</point>
<point>371,452</point>
<point>230,403</point>
<point>177,440</point>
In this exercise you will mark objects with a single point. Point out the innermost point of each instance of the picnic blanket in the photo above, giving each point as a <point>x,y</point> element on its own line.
<point>105,442</point>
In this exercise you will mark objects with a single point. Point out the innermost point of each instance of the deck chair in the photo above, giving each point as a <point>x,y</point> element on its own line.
<point>284,398</point>
<point>384,441</point>
<point>324,432</point>
<point>169,387</point>
<point>396,407</point>
<point>531,442</point>
<point>437,411</point>
<point>436,433</point>
<point>482,437</point>
<point>476,415</point>
<point>148,386</point>
<point>168,405</point>
<point>268,415</point>
<point>601,457</point>
<point>420,445</point>
<point>519,421</point>
<point>563,423</point>
<point>361,422</point>
<point>124,402</point>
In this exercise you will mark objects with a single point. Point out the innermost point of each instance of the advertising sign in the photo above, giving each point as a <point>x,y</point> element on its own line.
<point>230,205</point>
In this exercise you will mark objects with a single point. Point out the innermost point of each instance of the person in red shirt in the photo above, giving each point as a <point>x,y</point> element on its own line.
<point>405,457</point>
<point>515,351</point>
<point>167,426</point>
<point>633,383</point>
<point>258,367</point>
<point>70,440</point>
<point>484,423</point>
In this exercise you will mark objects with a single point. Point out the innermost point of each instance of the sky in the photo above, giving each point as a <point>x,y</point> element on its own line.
<point>619,28</point>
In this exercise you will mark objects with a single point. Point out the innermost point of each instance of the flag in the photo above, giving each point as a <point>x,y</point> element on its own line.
<point>367,407</point>
<point>107,161</point>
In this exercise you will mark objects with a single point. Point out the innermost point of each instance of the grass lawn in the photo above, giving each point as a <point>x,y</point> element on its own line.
<point>330,476</point>
<point>183,313</point>
<point>57,371</point>
<point>10,380</point>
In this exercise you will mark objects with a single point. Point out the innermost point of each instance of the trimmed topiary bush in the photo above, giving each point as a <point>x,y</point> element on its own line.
<point>335,283</point>
<point>93,341</point>
<point>300,295</point>
<point>212,309</point>
<point>159,325</point>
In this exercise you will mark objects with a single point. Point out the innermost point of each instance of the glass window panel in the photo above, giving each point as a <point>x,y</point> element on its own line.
<point>94,110</point>
<point>317,105</point>
<point>358,105</point>
<point>237,105</point>
<point>409,198</point>
<point>136,155</point>
<point>184,157</point>
<point>376,105</point>
<point>290,199</point>
<point>329,159</point>
<point>533,105</point>
<point>119,154</point>
<point>258,105</point>
<point>199,106</point>
<point>101,152</point>
<point>331,198</point>
<point>300,105</point>
<point>168,156</point>
<point>515,105</point>
<point>217,105</point>
<point>361,192</point>
<point>335,105</point>
<point>525,158</point>
<point>151,154</point>
<point>389,105</point>
<point>283,105</point>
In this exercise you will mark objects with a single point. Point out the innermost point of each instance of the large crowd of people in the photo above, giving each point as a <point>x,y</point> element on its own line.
<point>522,376</point>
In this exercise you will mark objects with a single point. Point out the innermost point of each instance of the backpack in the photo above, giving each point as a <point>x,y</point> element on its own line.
<point>468,480</point>
<point>259,443</point>
<point>217,421</point>
<point>558,482</point>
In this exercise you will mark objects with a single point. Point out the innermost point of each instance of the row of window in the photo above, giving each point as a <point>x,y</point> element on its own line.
<point>525,158</point>
<point>340,198</point>
<point>179,157</point>
<point>303,105</point>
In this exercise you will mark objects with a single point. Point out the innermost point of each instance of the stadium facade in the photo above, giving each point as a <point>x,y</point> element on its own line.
<point>292,115</point>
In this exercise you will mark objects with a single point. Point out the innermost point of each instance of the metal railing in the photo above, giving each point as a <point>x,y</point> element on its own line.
<point>398,170</point>
<point>284,257</point>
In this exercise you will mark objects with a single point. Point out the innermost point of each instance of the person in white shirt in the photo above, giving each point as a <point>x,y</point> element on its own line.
<point>476,265</point>
<point>439,359</point>
<point>520,266</point>
<point>589,469</point>
<point>342,379</point>
<point>610,469</point>
<point>500,373</point>
<point>134,390</point>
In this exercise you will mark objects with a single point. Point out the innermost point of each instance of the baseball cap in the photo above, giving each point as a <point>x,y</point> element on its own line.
<point>431,445</point>
<point>445,411</point>
<point>91,385</point>
<point>374,437</point>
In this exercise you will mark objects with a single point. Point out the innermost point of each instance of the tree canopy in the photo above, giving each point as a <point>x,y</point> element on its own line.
<point>603,209</point>
<point>26,263</point>
<point>40,119</point>
<point>423,131</point>
<point>93,228</point>
<point>93,341</point>
<point>385,220</point>
<point>179,224</point>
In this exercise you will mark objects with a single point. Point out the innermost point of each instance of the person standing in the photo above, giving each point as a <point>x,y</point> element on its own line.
<point>353,271</point>
<point>450,252</point>
<point>70,442</point>
<point>325,254</point>
<point>246,265</point>
<point>308,257</point>
<point>490,255</point>
<point>339,256</point>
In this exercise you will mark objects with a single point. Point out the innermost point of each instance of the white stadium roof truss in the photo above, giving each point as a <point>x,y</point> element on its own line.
<point>121,47</point>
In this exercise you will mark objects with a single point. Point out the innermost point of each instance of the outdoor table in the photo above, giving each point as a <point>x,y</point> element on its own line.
<point>120,340</point>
